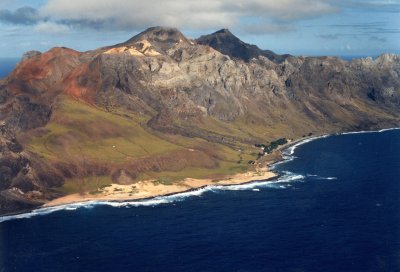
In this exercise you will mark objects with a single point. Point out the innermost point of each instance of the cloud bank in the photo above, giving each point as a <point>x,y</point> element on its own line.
<point>21,16</point>
<point>253,16</point>
<point>272,16</point>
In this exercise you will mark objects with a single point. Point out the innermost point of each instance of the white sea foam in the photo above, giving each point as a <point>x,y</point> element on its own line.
<point>290,150</point>
<point>369,131</point>
<point>328,178</point>
<point>319,177</point>
<point>286,158</point>
<point>286,178</point>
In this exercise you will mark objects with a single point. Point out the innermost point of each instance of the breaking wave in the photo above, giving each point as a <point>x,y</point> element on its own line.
<point>318,177</point>
<point>288,152</point>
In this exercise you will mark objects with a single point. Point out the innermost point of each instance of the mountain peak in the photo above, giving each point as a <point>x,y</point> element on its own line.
<point>160,36</point>
<point>161,32</point>
<point>223,31</point>
<point>228,44</point>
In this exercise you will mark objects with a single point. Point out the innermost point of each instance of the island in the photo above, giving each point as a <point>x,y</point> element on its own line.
<point>162,113</point>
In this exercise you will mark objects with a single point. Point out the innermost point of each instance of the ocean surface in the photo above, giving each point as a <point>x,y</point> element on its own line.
<point>7,65</point>
<point>336,207</point>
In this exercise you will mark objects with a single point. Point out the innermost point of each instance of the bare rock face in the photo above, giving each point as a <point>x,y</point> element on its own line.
<point>26,95</point>
<point>183,86</point>
<point>19,186</point>
<point>222,77</point>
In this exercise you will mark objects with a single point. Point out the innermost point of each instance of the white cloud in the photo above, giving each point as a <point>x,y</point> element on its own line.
<point>283,10</point>
<point>51,28</point>
<point>185,14</point>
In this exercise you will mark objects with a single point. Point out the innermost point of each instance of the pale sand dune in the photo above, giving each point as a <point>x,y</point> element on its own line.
<point>147,189</point>
<point>140,49</point>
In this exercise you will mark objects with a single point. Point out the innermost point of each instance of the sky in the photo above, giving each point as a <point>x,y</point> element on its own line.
<point>298,27</point>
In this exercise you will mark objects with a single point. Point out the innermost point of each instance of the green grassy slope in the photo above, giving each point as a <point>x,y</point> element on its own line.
<point>80,135</point>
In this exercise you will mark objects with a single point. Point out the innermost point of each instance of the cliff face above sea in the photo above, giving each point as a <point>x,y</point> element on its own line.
<point>164,107</point>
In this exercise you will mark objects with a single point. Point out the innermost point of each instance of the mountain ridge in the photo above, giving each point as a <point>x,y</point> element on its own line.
<point>163,107</point>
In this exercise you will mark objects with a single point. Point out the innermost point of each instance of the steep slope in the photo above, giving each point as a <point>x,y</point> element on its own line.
<point>161,106</point>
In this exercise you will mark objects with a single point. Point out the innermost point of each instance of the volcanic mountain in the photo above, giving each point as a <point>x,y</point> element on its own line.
<point>162,106</point>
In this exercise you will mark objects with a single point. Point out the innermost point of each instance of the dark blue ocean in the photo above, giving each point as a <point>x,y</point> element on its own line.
<point>7,65</point>
<point>336,207</point>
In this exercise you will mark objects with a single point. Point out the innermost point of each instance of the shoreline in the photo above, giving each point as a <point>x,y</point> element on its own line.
<point>52,206</point>
<point>143,190</point>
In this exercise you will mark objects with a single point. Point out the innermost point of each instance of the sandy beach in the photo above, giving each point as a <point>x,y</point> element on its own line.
<point>149,188</point>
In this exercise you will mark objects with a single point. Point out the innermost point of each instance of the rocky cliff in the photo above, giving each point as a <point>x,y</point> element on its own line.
<point>162,106</point>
